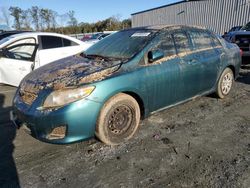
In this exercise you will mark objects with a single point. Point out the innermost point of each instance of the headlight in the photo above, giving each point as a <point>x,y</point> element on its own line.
<point>63,97</point>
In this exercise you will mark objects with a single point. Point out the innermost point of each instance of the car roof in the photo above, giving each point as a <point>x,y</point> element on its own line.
<point>161,27</point>
<point>35,34</point>
<point>13,31</point>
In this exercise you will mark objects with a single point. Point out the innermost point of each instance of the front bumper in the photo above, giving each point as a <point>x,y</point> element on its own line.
<point>79,118</point>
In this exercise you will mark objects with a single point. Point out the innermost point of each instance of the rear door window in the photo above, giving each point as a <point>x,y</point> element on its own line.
<point>49,42</point>
<point>182,42</point>
<point>200,39</point>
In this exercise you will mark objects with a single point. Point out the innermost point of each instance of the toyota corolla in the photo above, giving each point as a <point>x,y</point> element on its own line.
<point>106,90</point>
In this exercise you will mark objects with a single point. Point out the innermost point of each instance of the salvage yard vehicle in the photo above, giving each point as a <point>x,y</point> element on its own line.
<point>241,38</point>
<point>21,53</point>
<point>106,90</point>
<point>233,29</point>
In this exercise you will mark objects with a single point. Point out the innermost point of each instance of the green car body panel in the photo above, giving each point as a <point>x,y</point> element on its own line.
<point>156,85</point>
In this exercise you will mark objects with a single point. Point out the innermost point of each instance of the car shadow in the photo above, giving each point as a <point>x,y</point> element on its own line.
<point>8,171</point>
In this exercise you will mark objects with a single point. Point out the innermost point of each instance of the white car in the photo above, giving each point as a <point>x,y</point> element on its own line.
<point>21,53</point>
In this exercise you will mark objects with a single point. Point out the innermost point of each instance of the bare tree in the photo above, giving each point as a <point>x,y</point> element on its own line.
<point>34,12</point>
<point>49,20</point>
<point>63,19</point>
<point>45,18</point>
<point>16,13</point>
<point>25,20</point>
<point>117,17</point>
<point>53,18</point>
<point>72,20</point>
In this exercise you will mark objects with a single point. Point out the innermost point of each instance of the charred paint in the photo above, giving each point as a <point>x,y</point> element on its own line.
<point>69,72</point>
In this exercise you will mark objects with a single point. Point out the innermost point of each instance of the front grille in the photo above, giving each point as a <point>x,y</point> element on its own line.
<point>27,97</point>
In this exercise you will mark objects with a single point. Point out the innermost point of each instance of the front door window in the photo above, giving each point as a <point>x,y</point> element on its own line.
<point>21,50</point>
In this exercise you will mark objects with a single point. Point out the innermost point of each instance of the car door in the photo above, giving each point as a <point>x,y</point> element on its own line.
<point>17,60</point>
<point>208,58</point>
<point>163,75</point>
<point>52,48</point>
<point>191,69</point>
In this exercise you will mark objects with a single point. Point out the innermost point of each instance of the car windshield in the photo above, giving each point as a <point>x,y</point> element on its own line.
<point>246,27</point>
<point>121,45</point>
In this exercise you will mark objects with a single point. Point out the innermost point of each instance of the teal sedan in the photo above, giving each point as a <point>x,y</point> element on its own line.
<point>106,90</point>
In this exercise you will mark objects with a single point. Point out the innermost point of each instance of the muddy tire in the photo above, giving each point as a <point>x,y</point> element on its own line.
<point>118,120</point>
<point>225,83</point>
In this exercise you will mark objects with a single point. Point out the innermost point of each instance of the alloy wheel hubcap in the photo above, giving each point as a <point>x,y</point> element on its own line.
<point>226,84</point>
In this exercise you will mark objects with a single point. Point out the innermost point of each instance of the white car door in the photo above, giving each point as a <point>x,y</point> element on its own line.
<point>17,60</point>
<point>52,48</point>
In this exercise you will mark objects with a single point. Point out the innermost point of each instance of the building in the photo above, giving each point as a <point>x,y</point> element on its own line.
<point>217,15</point>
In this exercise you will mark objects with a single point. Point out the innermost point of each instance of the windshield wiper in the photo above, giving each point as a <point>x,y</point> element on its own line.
<point>105,58</point>
<point>97,56</point>
<point>94,56</point>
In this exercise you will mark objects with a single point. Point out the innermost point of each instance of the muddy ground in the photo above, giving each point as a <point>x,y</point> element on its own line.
<point>202,143</point>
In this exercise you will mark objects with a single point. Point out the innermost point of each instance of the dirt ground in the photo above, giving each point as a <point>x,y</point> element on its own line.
<point>202,143</point>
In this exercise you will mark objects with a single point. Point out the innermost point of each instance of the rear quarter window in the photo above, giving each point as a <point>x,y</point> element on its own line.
<point>67,42</point>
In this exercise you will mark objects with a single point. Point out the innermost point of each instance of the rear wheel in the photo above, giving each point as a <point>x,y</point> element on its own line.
<point>225,83</point>
<point>118,120</point>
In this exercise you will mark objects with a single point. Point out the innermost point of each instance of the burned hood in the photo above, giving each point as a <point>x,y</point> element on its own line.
<point>69,72</point>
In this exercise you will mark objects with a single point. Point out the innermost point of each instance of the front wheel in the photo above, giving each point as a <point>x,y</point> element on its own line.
<point>118,120</point>
<point>225,83</point>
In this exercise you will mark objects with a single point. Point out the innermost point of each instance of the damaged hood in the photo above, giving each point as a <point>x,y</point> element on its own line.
<point>69,72</point>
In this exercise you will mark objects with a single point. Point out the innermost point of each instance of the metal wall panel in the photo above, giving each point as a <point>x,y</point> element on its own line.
<point>217,15</point>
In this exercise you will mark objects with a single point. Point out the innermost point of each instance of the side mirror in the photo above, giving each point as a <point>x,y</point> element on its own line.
<point>155,55</point>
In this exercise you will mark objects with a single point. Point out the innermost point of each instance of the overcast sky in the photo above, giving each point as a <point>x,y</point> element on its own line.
<point>90,11</point>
